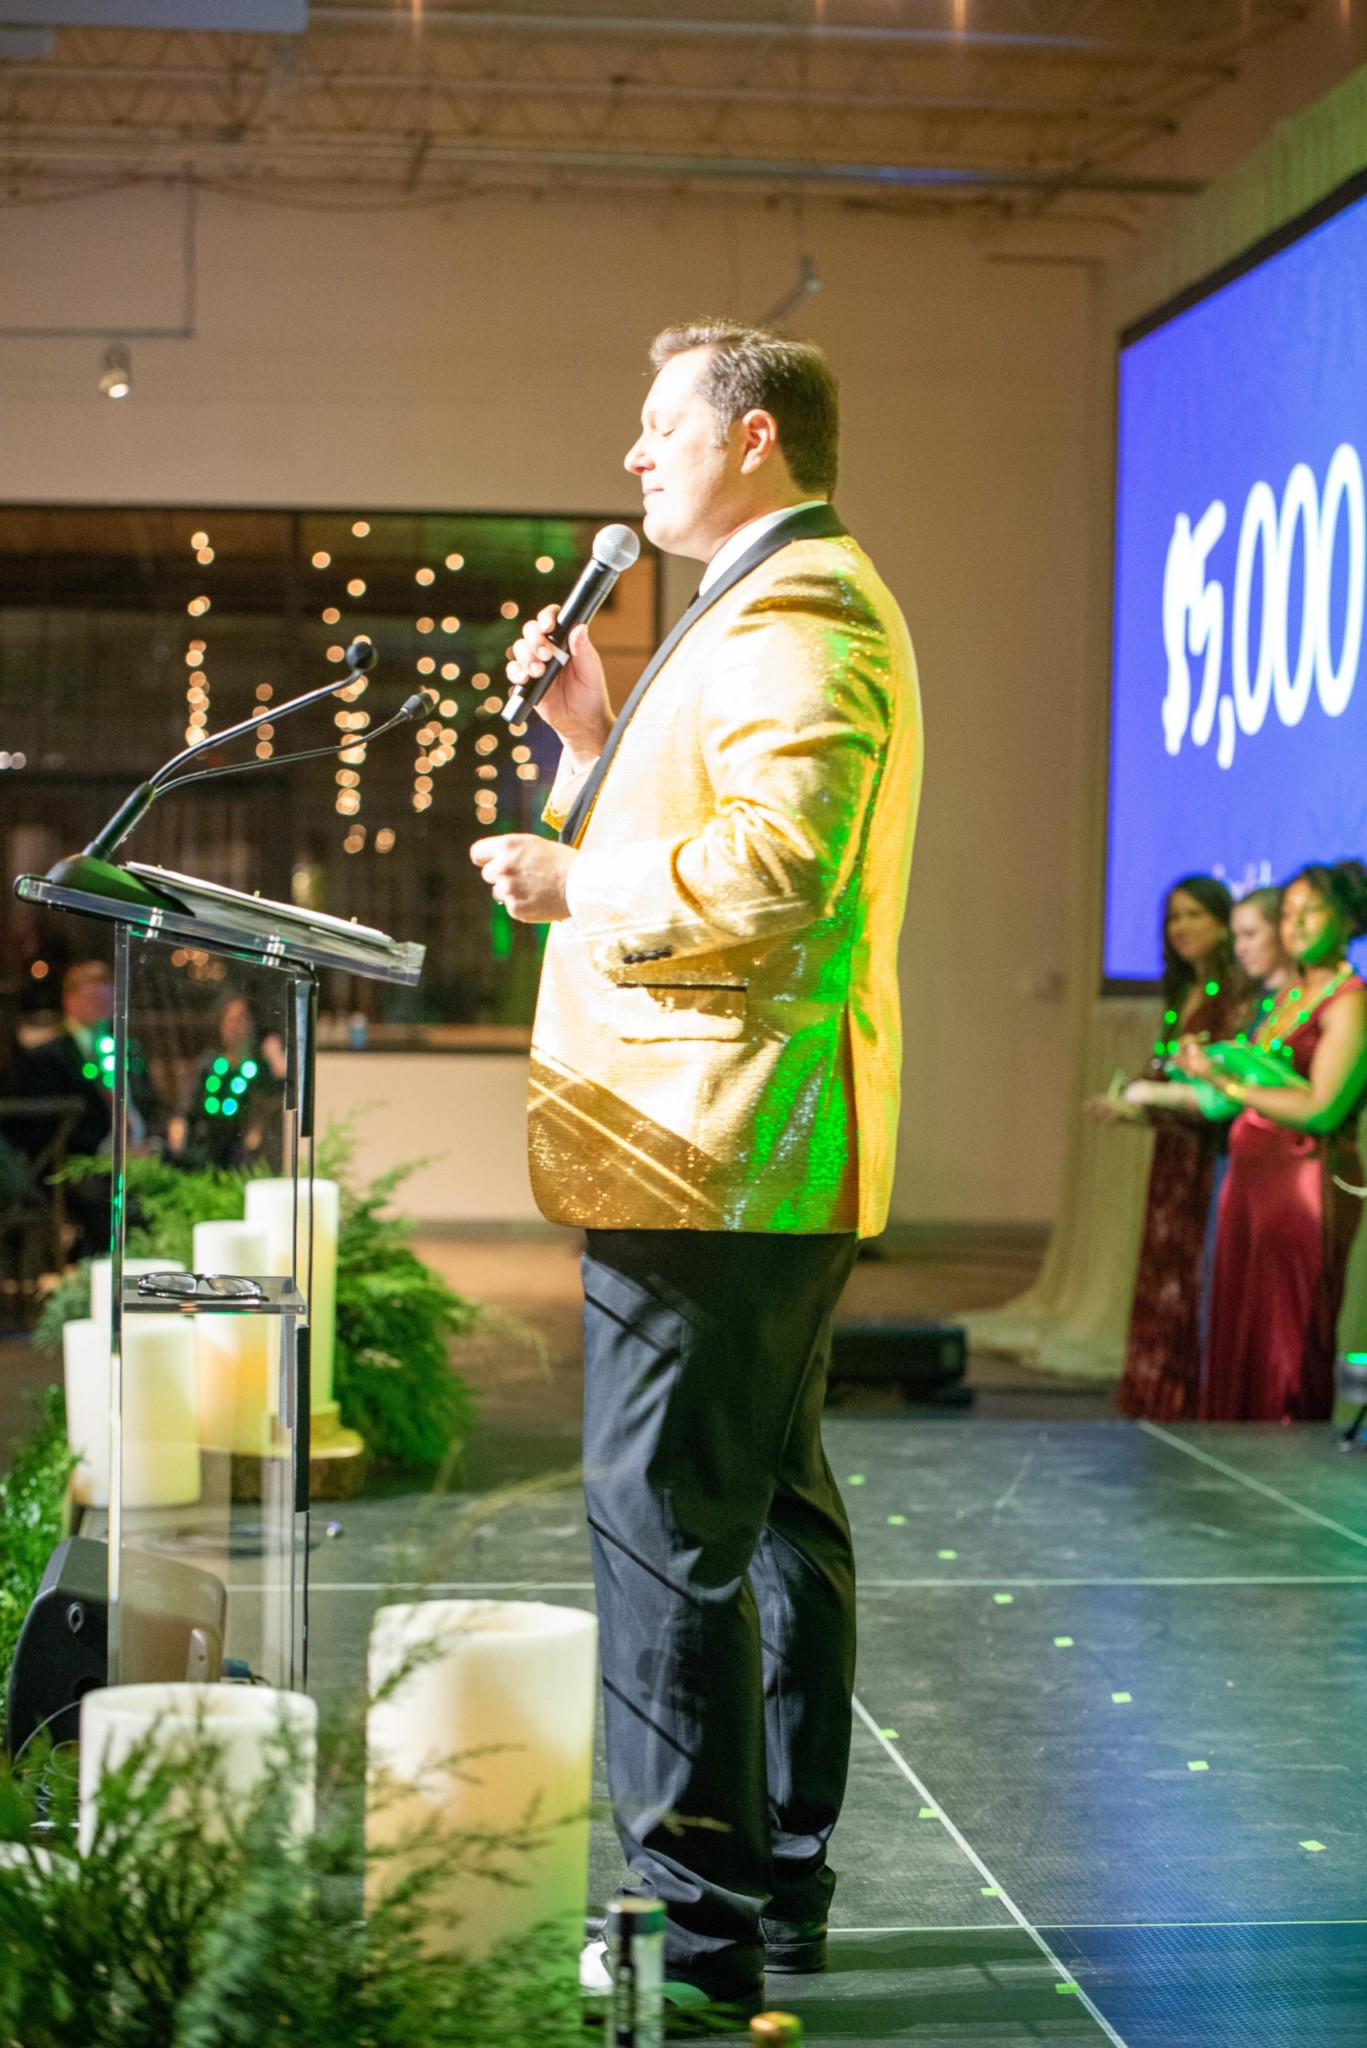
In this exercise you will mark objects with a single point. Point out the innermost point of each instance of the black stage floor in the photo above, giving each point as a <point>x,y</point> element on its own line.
<point>1110,1761</point>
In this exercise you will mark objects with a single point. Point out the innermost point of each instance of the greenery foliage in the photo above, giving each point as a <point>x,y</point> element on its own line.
<point>196,1920</point>
<point>395,1316</point>
<point>32,1521</point>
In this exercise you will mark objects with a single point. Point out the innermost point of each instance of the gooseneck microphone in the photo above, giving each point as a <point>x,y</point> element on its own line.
<point>94,869</point>
<point>615,548</point>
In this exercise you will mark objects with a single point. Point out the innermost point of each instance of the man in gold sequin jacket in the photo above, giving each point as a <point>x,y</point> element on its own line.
<point>715,1080</point>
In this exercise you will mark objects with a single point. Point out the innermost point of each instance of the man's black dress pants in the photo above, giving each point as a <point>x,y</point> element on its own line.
<point>724,1575</point>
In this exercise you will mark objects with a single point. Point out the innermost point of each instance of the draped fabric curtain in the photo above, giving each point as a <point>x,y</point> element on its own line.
<point>1073,1321</point>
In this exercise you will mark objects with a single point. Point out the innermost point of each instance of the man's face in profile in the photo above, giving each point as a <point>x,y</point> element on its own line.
<point>688,466</point>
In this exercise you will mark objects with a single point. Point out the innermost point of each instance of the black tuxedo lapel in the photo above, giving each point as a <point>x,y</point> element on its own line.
<point>815,522</point>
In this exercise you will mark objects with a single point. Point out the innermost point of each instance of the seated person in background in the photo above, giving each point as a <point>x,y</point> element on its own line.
<point>1204,992</point>
<point>1285,1226</point>
<point>234,1111</point>
<point>72,1064</point>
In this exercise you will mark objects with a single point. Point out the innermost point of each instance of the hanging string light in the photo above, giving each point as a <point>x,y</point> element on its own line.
<point>265,733</point>
<point>348,799</point>
<point>197,688</point>
<point>196,695</point>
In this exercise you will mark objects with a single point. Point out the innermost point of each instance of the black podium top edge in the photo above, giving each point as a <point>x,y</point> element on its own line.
<point>244,928</point>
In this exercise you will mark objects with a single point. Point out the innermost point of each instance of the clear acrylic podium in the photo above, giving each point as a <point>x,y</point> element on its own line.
<point>202,1577</point>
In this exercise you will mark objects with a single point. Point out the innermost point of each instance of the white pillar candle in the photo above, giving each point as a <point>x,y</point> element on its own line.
<point>270,1205</point>
<point>100,1289</point>
<point>248,1724</point>
<point>232,1352</point>
<point>160,1412</point>
<point>160,1424</point>
<point>85,1360</point>
<point>518,1680</point>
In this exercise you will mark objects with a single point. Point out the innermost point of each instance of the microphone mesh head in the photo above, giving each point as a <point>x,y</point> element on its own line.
<point>616,547</point>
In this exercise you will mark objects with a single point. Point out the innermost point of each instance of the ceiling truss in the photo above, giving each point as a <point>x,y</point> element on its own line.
<point>1008,103</point>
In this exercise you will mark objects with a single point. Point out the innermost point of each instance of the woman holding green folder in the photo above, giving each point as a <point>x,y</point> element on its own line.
<point>1285,1228</point>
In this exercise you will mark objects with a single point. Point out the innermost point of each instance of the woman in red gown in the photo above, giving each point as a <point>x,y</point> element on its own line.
<point>1285,1228</point>
<point>1204,994</point>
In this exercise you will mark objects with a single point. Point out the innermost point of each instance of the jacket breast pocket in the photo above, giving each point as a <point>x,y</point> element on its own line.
<point>645,1011</point>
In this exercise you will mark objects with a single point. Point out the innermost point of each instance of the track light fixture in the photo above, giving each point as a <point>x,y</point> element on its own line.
<point>116,371</point>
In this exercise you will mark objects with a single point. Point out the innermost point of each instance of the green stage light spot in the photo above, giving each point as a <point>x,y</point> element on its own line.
<point>933,1813</point>
<point>211,1105</point>
<point>889,1735</point>
<point>238,1085</point>
<point>1063,1642</point>
<point>897,1521</point>
<point>855,1479</point>
<point>1198,1767</point>
<point>220,1066</point>
<point>1313,1847</point>
<point>108,1063</point>
<point>1004,1599</point>
<point>992,1891</point>
<point>105,1045</point>
<point>1122,1699</point>
<point>90,1071</point>
<point>948,1555</point>
<point>249,1069</point>
<point>212,1084</point>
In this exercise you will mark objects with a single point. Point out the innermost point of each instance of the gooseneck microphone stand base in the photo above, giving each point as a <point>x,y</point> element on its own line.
<point>96,877</point>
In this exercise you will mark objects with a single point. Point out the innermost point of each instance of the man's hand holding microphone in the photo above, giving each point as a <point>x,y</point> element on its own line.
<point>527,874</point>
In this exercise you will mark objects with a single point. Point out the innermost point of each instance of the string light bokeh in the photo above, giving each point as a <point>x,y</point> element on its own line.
<point>246,610</point>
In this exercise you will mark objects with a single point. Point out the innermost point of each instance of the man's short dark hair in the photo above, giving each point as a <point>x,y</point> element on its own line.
<point>751,368</point>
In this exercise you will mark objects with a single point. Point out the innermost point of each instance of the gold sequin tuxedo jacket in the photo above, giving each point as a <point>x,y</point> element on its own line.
<point>718,1038</point>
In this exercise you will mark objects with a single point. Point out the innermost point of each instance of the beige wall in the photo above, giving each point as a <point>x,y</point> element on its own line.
<point>459,1116</point>
<point>488,355</point>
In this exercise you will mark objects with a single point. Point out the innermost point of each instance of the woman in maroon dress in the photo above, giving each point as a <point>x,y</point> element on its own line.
<point>1285,1228</point>
<point>1204,994</point>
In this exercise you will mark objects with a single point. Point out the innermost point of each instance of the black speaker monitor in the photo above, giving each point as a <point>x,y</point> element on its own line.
<point>173,1623</point>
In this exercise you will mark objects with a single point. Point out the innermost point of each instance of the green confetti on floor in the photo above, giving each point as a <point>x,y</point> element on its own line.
<point>1198,1767</point>
<point>897,1521</point>
<point>1063,1642</point>
<point>855,1479</point>
<point>948,1555</point>
<point>1068,1990</point>
<point>1123,1699</point>
<point>889,1735</point>
<point>933,1813</point>
<point>1313,1847</point>
<point>1004,1599</point>
<point>992,1891</point>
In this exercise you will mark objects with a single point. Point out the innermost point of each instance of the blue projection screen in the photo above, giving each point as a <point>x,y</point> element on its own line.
<point>1238,710</point>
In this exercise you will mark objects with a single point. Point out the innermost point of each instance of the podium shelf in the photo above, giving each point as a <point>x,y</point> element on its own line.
<point>277,1298</point>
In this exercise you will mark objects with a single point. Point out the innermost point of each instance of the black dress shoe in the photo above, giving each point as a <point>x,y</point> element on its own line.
<point>794,1948</point>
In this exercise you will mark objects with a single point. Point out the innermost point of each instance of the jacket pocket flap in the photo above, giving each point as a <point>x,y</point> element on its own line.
<point>641,1012</point>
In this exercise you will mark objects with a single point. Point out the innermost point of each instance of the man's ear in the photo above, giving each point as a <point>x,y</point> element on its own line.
<point>760,444</point>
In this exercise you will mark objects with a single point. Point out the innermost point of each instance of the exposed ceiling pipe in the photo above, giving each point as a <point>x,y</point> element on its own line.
<point>483,21</point>
<point>186,78</point>
<point>88,147</point>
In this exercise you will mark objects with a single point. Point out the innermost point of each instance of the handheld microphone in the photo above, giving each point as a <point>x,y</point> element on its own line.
<point>615,548</point>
